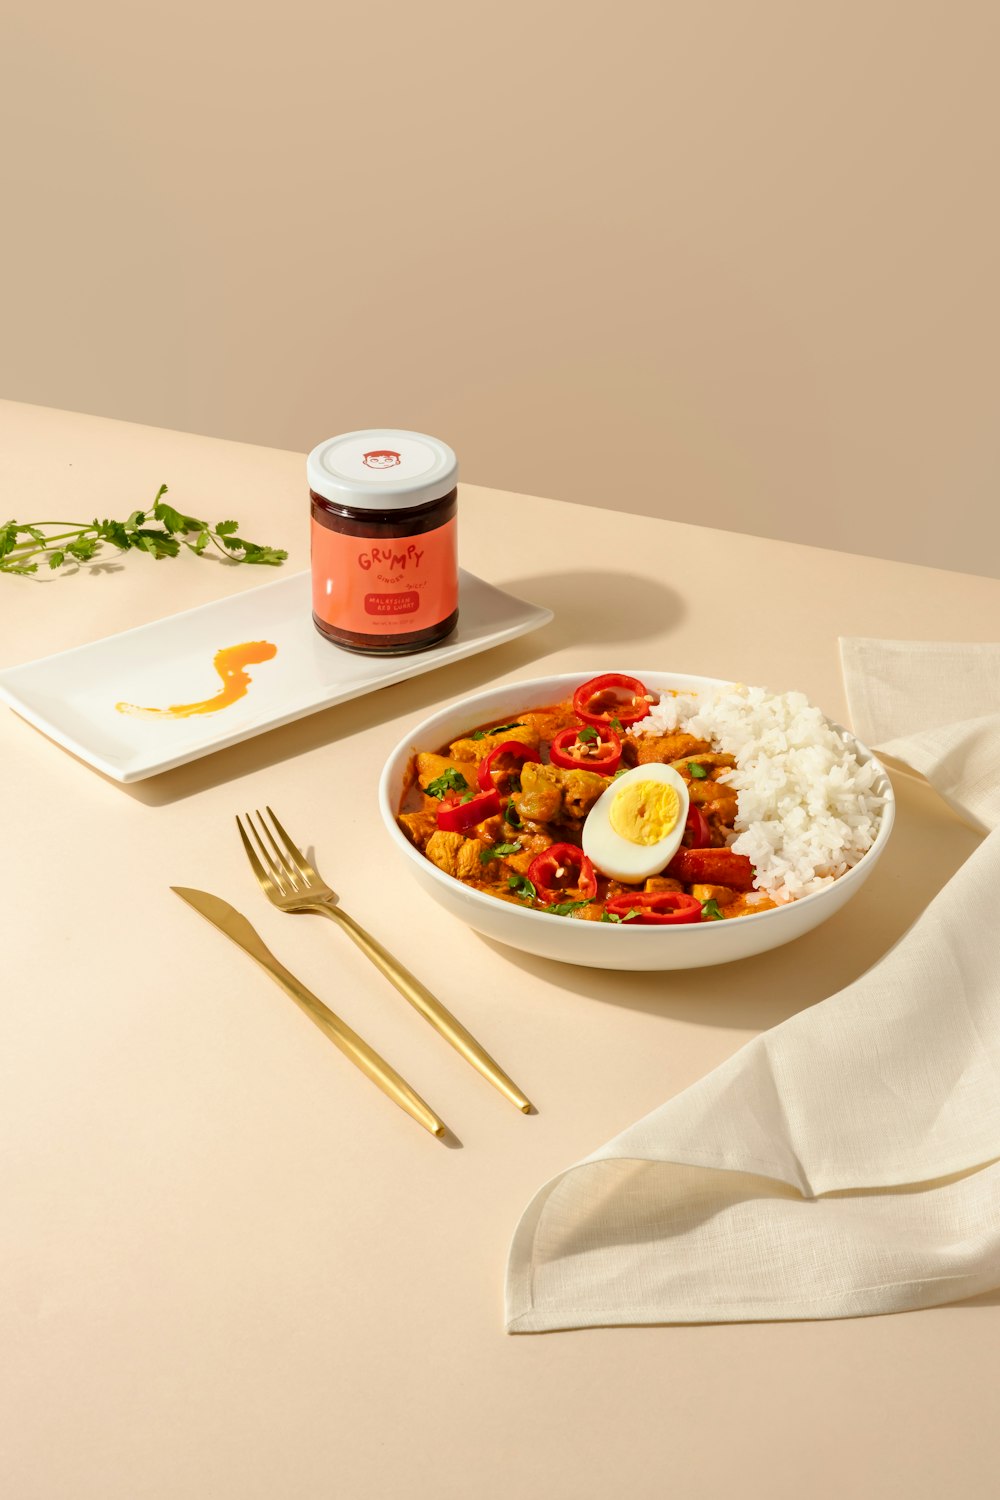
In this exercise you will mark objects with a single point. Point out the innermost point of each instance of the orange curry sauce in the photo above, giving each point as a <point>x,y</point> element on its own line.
<point>230,663</point>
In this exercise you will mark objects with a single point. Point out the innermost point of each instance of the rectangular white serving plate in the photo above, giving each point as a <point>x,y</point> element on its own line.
<point>71,696</point>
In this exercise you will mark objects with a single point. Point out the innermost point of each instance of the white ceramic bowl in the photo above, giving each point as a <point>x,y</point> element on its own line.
<point>605,945</point>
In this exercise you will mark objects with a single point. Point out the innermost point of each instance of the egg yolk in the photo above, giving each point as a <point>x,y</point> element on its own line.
<point>644,812</point>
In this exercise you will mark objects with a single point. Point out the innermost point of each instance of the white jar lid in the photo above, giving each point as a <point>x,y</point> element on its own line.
<point>382,468</point>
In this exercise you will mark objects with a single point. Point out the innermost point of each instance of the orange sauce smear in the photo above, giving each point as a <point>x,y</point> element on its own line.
<point>230,663</point>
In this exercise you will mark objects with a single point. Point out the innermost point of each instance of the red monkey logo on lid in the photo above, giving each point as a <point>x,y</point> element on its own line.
<point>381,458</point>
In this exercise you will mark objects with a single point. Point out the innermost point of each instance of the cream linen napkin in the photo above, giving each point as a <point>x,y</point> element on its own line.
<point>848,1161</point>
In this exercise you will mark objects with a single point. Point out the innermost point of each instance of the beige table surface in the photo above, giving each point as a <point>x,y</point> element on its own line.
<point>230,1269</point>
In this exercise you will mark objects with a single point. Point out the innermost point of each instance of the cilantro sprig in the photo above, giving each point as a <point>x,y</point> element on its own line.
<point>160,530</point>
<point>522,886</point>
<point>563,908</point>
<point>612,916</point>
<point>698,772</point>
<point>710,911</point>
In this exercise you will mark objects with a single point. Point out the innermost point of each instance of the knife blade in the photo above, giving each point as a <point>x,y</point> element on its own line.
<point>236,927</point>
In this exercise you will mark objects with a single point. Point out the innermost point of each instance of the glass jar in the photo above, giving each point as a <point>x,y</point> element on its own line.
<point>384,540</point>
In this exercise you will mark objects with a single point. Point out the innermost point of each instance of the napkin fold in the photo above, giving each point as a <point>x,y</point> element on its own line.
<point>848,1161</point>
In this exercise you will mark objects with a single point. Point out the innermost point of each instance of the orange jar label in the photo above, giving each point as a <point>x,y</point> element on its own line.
<point>384,586</point>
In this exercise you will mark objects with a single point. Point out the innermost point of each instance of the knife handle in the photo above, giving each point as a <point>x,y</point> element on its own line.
<point>356,1048</point>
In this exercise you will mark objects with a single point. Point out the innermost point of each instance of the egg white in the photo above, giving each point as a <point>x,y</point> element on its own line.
<point>615,856</point>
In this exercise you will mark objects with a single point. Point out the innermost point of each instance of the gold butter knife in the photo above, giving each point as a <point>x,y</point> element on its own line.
<point>235,926</point>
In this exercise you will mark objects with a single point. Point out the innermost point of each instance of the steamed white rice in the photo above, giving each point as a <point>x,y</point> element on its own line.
<point>807,807</point>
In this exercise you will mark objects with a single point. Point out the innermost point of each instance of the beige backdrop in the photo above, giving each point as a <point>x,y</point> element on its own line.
<point>730,263</point>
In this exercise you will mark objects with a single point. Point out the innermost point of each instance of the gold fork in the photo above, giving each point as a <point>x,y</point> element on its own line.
<point>292,884</point>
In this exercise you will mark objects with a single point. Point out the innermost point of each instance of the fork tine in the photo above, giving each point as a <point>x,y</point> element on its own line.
<point>263,878</point>
<point>305,869</point>
<point>286,871</point>
<point>278,876</point>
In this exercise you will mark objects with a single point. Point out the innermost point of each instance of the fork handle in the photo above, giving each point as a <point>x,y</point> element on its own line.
<point>357,1049</point>
<point>429,1006</point>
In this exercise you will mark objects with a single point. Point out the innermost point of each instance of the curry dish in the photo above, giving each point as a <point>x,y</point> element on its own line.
<point>562,810</point>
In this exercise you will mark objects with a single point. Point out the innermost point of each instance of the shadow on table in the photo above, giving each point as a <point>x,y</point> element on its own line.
<point>984,1299</point>
<point>103,566</point>
<point>597,610</point>
<point>589,607</point>
<point>927,846</point>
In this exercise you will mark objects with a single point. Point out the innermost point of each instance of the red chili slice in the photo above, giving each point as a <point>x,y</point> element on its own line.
<point>655,908</point>
<point>491,773</point>
<point>577,747</point>
<point>712,867</point>
<point>612,696</point>
<point>454,816</point>
<point>697,827</point>
<point>577,873</point>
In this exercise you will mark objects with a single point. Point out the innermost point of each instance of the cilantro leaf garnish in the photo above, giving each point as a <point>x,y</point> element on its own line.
<point>563,908</point>
<point>616,725</point>
<point>450,780</point>
<point>612,916</point>
<point>586,734</point>
<point>511,814</point>
<point>497,851</point>
<point>698,772</point>
<point>710,910</point>
<point>522,886</point>
<point>481,734</point>
<point>160,530</point>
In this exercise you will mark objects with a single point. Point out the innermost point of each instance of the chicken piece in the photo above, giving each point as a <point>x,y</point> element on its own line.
<point>519,861</point>
<point>540,799</point>
<point>455,854</point>
<point>724,795</point>
<point>747,904</point>
<point>476,750</point>
<point>535,843</point>
<point>667,747</point>
<point>710,759</point>
<point>549,792</point>
<point>470,866</point>
<point>722,895</point>
<point>581,790</point>
<point>706,791</point>
<point>630,751</point>
<point>430,767</point>
<point>418,826</point>
<point>658,883</point>
<point>443,849</point>
<point>548,722</point>
<point>721,815</point>
<point>531,845</point>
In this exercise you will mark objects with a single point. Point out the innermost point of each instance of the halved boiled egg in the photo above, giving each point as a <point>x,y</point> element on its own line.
<point>635,828</point>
